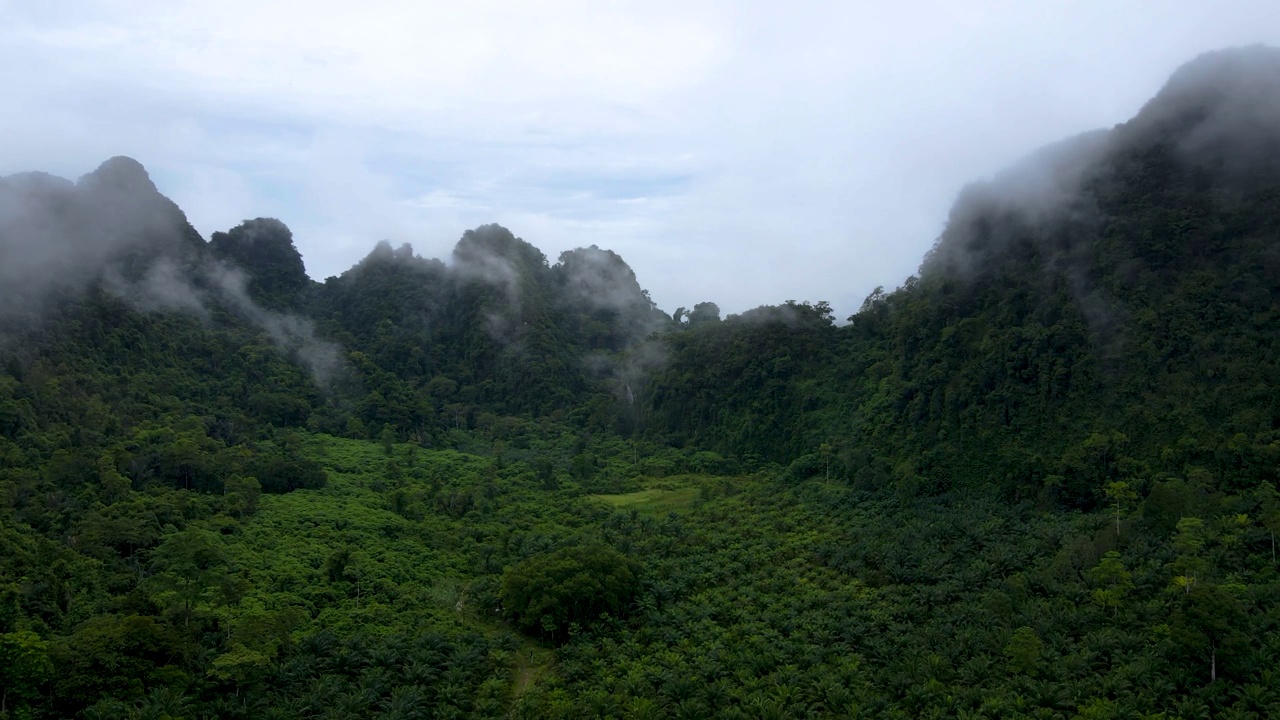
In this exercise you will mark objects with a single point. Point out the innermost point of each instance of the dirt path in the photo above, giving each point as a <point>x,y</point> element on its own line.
<point>531,662</point>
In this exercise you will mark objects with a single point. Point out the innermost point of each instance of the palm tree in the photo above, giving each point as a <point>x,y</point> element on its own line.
<point>165,703</point>
<point>691,709</point>
<point>321,693</point>
<point>405,703</point>
<point>419,673</point>
<point>360,701</point>
<point>377,680</point>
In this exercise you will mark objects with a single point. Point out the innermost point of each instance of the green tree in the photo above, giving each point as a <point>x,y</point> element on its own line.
<point>1268,500</point>
<point>191,574</point>
<point>242,494</point>
<point>1113,580</point>
<point>704,312</point>
<point>1190,564</point>
<point>545,471</point>
<point>1121,497</point>
<point>1024,651</point>
<point>387,438</point>
<point>24,668</point>
<point>549,591</point>
<point>114,485</point>
<point>1210,619</point>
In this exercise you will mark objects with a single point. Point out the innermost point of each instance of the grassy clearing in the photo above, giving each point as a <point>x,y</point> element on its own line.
<point>654,500</point>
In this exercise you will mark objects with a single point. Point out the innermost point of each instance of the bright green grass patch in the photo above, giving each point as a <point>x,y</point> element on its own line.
<point>653,501</point>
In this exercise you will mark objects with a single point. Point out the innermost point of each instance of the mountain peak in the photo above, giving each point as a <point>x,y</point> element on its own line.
<point>123,174</point>
<point>1218,113</point>
<point>263,247</point>
<point>1222,109</point>
<point>1241,73</point>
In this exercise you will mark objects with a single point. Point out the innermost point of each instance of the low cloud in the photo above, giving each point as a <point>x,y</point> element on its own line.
<point>114,228</point>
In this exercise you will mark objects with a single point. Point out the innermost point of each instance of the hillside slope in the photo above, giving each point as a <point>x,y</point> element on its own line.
<point>1107,308</point>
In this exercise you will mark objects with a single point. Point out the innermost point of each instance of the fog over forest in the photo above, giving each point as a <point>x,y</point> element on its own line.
<point>1038,478</point>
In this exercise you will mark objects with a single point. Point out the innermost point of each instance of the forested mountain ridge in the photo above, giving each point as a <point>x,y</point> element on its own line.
<point>500,486</point>
<point>1118,285</point>
<point>1133,294</point>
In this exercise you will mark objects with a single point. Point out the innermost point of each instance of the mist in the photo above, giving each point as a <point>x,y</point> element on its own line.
<point>114,228</point>
<point>1223,107</point>
<point>58,234</point>
<point>602,283</point>
<point>1216,123</point>
<point>1220,111</point>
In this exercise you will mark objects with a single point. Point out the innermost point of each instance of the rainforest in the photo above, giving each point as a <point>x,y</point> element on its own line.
<point>1038,480</point>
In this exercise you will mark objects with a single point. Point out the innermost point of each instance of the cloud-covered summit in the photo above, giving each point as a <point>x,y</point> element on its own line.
<point>1223,108</point>
<point>264,248</point>
<point>58,234</point>
<point>114,229</point>
<point>1219,112</point>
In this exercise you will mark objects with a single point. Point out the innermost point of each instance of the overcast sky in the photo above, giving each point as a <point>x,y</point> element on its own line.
<point>740,152</point>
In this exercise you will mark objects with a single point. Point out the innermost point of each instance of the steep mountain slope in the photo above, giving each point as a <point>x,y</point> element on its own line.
<point>56,235</point>
<point>264,248</point>
<point>1108,308</point>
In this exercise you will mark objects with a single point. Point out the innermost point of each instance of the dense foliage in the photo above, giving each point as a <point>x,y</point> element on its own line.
<point>571,586</point>
<point>1038,480</point>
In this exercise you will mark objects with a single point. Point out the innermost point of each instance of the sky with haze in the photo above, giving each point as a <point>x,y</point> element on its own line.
<point>745,153</point>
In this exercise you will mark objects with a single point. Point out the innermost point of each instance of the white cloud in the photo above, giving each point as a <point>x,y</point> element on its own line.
<point>737,152</point>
